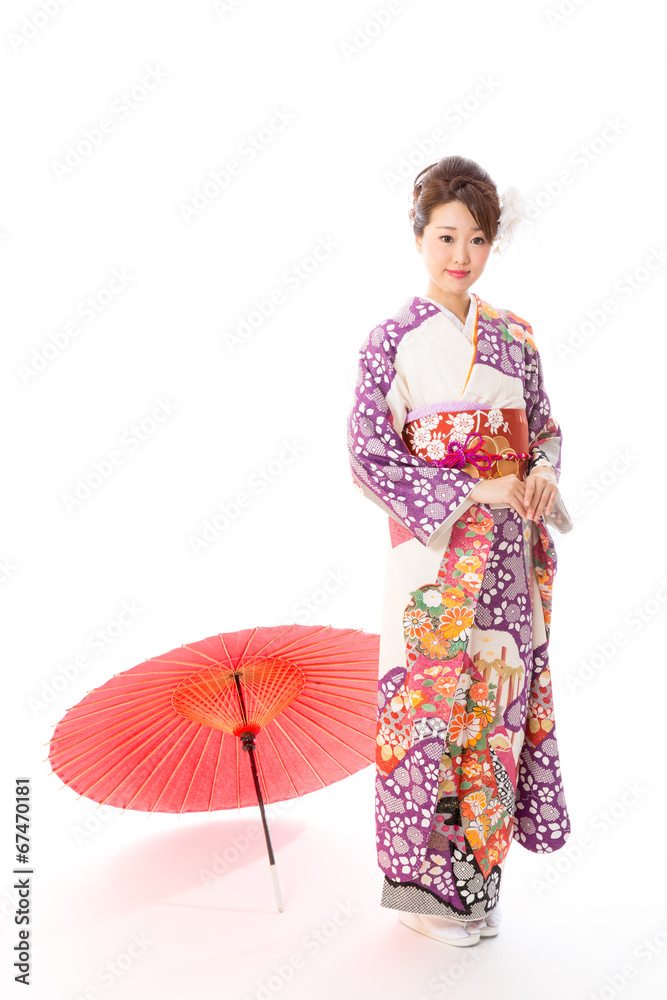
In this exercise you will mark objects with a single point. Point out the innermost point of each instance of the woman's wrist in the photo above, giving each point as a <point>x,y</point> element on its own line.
<point>545,470</point>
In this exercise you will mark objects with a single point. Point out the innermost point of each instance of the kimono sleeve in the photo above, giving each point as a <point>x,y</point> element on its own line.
<point>424,498</point>
<point>544,433</point>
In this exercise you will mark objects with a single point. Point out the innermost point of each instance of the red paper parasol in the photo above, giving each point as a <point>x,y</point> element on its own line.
<point>168,735</point>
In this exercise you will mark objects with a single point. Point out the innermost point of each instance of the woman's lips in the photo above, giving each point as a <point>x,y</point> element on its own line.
<point>457,274</point>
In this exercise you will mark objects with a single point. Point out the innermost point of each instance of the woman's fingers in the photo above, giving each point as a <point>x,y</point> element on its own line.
<point>537,502</point>
<point>540,493</point>
<point>515,493</point>
<point>545,493</point>
<point>552,493</point>
<point>529,489</point>
<point>534,487</point>
<point>531,499</point>
<point>516,499</point>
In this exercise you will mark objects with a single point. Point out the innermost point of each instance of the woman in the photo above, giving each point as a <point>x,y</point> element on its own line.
<point>451,434</point>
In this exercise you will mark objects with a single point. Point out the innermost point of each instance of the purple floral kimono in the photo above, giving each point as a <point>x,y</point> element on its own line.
<point>467,756</point>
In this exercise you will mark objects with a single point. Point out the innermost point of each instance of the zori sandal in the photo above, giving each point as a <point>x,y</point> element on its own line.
<point>440,929</point>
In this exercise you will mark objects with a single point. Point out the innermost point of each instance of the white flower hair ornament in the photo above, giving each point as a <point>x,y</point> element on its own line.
<point>513,214</point>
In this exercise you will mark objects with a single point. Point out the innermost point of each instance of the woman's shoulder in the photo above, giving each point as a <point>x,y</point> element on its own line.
<point>409,315</point>
<point>385,337</point>
<point>518,327</point>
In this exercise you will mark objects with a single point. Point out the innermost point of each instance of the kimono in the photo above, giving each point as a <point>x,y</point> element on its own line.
<point>467,756</point>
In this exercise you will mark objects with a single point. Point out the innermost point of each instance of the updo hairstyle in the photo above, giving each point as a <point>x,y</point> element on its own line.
<point>455,178</point>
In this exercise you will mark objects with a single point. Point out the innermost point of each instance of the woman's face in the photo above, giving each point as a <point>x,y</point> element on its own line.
<point>454,248</point>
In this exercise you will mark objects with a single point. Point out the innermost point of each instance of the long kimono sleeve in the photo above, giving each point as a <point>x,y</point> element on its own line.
<point>424,498</point>
<point>544,433</point>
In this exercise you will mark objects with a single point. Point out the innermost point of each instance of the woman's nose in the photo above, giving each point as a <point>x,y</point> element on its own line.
<point>461,256</point>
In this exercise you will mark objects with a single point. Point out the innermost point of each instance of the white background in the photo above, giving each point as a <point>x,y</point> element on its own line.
<point>530,95</point>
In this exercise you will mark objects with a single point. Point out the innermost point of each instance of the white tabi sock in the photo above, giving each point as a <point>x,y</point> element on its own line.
<point>492,919</point>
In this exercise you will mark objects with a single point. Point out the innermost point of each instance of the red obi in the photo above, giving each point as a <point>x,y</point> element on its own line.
<point>486,442</point>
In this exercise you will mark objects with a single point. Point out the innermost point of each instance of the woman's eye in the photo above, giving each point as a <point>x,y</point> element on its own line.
<point>481,239</point>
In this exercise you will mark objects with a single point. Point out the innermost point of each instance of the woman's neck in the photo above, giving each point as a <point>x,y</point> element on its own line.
<point>458,304</point>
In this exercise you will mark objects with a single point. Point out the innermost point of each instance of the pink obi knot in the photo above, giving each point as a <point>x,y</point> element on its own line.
<point>472,450</point>
<point>484,442</point>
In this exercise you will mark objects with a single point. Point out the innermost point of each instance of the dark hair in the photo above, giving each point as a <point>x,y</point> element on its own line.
<point>455,178</point>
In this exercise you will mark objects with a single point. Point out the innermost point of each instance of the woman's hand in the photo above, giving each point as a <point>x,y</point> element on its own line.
<point>541,491</point>
<point>530,499</point>
<point>504,489</point>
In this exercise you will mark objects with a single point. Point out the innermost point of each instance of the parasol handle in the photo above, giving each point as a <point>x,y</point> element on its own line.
<point>276,888</point>
<point>248,742</point>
